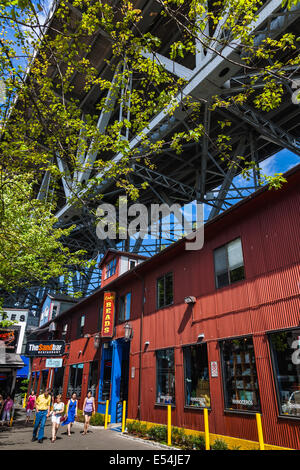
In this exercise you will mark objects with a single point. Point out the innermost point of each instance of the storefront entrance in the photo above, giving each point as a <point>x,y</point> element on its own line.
<point>114,376</point>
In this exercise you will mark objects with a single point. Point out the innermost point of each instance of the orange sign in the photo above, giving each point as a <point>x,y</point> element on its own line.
<point>108,319</point>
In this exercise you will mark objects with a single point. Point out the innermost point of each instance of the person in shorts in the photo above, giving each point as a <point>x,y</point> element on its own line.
<point>56,415</point>
<point>89,410</point>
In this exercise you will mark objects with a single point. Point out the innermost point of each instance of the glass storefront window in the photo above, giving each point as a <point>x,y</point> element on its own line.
<point>93,377</point>
<point>285,350</point>
<point>44,379</point>
<point>239,375</point>
<point>57,387</point>
<point>165,377</point>
<point>75,379</point>
<point>196,376</point>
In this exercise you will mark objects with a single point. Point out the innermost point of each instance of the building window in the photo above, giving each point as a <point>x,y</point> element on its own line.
<point>165,377</point>
<point>285,351</point>
<point>58,380</point>
<point>132,263</point>
<point>93,377</point>
<point>124,307</point>
<point>229,263</point>
<point>100,318</point>
<point>75,379</point>
<point>196,376</point>
<point>54,311</point>
<point>64,332</point>
<point>81,323</point>
<point>165,290</point>
<point>110,268</point>
<point>43,384</point>
<point>239,375</point>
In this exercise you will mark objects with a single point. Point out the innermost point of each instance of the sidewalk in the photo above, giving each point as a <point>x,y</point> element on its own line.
<point>18,437</point>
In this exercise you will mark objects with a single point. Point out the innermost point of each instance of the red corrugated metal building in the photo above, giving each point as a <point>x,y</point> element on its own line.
<point>216,328</point>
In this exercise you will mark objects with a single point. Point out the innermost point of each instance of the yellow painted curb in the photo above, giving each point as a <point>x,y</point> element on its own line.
<point>232,442</point>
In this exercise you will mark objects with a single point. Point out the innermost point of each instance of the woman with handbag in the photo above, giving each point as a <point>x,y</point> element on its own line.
<point>57,415</point>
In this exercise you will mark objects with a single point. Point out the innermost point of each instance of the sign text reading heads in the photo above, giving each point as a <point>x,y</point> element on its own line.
<point>108,319</point>
<point>45,348</point>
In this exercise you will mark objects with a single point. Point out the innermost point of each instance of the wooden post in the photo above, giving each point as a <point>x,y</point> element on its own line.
<point>206,429</point>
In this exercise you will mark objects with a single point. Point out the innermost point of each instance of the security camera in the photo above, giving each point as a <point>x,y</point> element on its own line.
<point>200,337</point>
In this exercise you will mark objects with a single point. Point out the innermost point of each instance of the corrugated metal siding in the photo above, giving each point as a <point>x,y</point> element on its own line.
<point>268,299</point>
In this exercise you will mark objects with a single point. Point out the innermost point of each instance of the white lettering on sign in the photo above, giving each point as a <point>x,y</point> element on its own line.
<point>242,402</point>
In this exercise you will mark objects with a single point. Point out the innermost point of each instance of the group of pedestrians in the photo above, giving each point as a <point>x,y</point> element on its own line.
<point>46,407</point>
<point>6,409</point>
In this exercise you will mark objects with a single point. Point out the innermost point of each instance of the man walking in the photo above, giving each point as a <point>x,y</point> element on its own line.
<point>42,406</point>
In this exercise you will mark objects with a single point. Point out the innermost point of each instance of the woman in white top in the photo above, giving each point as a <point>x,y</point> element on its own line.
<point>57,413</point>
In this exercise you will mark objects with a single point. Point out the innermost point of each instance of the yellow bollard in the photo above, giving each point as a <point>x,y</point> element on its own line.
<point>169,426</point>
<point>106,414</point>
<point>24,400</point>
<point>124,416</point>
<point>206,429</point>
<point>260,432</point>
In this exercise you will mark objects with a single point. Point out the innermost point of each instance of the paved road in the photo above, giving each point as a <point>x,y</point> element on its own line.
<point>18,437</point>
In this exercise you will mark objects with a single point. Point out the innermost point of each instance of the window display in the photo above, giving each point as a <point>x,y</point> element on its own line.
<point>75,379</point>
<point>93,377</point>
<point>165,377</point>
<point>196,377</point>
<point>285,349</point>
<point>239,375</point>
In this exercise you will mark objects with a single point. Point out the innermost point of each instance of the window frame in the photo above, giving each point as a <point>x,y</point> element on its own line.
<point>225,245</point>
<point>80,328</point>
<point>76,367</point>
<point>124,303</point>
<point>110,268</point>
<point>224,376</point>
<point>158,307</point>
<point>184,349</point>
<point>156,375</point>
<point>281,414</point>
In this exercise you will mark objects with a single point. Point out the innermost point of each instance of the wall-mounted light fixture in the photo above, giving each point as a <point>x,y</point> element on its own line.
<point>147,343</point>
<point>97,340</point>
<point>190,299</point>
<point>201,337</point>
<point>128,332</point>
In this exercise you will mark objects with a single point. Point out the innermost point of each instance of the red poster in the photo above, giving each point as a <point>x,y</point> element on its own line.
<point>108,319</point>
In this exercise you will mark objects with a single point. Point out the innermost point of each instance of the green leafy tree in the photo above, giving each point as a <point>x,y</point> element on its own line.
<point>44,128</point>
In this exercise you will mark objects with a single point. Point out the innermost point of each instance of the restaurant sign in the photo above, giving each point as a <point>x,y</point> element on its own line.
<point>9,337</point>
<point>45,348</point>
<point>108,318</point>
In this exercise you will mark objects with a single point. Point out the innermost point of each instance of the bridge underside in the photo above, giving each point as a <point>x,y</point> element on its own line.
<point>198,173</point>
